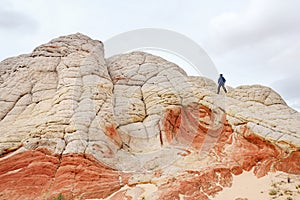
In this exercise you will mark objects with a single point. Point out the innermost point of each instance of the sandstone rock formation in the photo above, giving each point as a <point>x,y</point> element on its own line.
<point>75,123</point>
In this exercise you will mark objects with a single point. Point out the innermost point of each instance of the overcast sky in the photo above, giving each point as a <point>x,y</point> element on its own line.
<point>250,41</point>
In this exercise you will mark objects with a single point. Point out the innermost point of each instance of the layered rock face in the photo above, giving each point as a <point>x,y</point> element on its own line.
<point>131,126</point>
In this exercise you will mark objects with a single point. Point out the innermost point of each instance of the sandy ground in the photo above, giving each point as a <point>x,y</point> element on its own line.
<point>273,186</point>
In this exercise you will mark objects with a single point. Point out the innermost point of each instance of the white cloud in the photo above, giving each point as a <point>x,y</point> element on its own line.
<point>289,89</point>
<point>250,41</point>
<point>261,21</point>
<point>11,20</point>
<point>287,62</point>
<point>260,44</point>
<point>294,103</point>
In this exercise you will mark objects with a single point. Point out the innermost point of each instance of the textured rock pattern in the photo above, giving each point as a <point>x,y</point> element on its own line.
<point>131,126</point>
<point>40,175</point>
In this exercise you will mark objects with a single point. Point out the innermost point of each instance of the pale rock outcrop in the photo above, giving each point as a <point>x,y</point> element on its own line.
<point>131,126</point>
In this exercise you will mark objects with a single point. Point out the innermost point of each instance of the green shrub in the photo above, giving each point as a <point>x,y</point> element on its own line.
<point>272,192</point>
<point>59,197</point>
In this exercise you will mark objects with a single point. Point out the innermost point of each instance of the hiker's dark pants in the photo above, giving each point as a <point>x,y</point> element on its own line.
<point>222,84</point>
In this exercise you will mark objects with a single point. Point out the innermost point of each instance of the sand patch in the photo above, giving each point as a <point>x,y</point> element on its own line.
<point>279,186</point>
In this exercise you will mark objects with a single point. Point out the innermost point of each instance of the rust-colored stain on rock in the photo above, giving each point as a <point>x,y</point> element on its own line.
<point>36,175</point>
<point>191,125</point>
<point>112,133</point>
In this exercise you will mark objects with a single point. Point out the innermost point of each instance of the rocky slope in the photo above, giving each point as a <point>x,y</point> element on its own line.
<point>132,126</point>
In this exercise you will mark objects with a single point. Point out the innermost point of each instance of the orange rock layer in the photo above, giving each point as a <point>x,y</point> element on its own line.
<point>236,151</point>
<point>40,175</point>
<point>191,126</point>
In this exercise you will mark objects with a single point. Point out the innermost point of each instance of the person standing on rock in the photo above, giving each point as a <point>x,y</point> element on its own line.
<point>221,82</point>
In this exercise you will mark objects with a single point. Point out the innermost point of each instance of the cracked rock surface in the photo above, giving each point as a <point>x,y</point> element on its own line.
<point>73,122</point>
